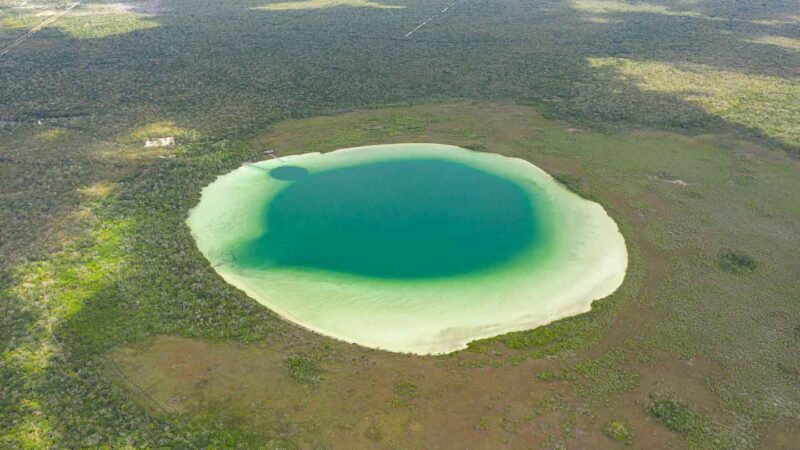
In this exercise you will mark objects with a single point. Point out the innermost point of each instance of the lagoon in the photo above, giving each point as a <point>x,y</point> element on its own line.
<point>416,248</point>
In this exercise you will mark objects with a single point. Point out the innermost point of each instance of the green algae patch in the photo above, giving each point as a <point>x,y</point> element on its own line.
<point>417,248</point>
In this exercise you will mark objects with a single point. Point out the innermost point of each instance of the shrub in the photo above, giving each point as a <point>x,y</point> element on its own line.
<point>548,375</point>
<point>617,431</point>
<point>736,262</point>
<point>303,370</point>
<point>676,416</point>
<point>405,388</point>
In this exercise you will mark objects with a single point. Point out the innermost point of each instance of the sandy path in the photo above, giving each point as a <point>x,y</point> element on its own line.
<point>425,22</point>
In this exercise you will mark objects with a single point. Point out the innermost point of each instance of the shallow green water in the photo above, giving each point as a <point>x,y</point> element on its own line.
<point>408,247</point>
<point>418,218</point>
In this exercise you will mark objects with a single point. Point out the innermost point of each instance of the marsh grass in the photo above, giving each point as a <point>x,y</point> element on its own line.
<point>304,370</point>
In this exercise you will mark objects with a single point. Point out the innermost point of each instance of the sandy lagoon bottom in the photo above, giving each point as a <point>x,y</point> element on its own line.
<point>417,248</point>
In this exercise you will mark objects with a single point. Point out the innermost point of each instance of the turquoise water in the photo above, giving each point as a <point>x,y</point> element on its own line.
<point>418,218</point>
<point>408,247</point>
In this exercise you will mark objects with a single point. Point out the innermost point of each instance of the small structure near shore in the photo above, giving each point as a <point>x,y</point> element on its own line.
<point>168,141</point>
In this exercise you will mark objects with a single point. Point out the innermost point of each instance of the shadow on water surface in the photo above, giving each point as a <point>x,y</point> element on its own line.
<point>288,173</point>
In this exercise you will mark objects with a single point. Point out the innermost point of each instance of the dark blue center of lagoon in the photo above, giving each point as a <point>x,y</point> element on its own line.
<point>405,219</point>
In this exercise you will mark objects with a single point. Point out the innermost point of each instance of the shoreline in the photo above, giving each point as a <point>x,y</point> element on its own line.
<point>431,339</point>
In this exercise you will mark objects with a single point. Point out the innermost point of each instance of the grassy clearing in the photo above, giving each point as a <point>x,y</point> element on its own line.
<point>159,129</point>
<point>779,41</point>
<point>321,4</point>
<point>91,21</point>
<point>616,6</point>
<point>767,104</point>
